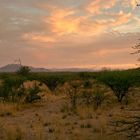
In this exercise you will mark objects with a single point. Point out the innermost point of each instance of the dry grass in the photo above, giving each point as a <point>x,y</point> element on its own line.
<point>8,109</point>
<point>52,119</point>
<point>12,132</point>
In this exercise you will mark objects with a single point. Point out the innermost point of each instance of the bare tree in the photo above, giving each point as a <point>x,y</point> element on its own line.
<point>137,49</point>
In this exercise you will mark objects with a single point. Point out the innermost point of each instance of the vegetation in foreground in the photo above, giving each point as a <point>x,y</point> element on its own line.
<point>85,105</point>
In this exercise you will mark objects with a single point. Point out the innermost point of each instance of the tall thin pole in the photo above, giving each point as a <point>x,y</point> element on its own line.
<point>19,62</point>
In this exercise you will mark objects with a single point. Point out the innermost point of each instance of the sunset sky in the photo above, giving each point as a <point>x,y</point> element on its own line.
<point>69,33</point>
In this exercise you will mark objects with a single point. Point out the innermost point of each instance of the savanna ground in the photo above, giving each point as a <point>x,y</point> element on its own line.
<point>57,116</point>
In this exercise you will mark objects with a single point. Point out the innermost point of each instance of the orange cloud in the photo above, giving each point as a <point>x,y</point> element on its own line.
<point>61,21</point>
<point>133,3</point>
<point>106,52</point>
<point>96,6</point>
<point>64,26</point>
<point>121,18</point>
<point>115,20</point>
<point>37,38</point>
<point>64,21</point>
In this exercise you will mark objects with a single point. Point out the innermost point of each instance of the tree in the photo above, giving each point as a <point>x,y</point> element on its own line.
<point>24,70</point>
<point>93,94</point>
<point>9,88</point>
<point>98,97</point>
<point>137,48</point>
<point>119,83</point>
<point>73,91</point>
<point>33,94</point>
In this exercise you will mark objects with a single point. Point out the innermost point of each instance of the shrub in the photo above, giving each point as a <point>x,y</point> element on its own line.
<point>9,88</point>
<point>119,82</point>
<point>52,81</point>
<point>72,91</point>
<point>21,93</point>
<point>93,94</point>
<point>33,94</point>
<point>98,97</point>
<point>87,92</point>
<point>24,70</point>
<point>4,92</point>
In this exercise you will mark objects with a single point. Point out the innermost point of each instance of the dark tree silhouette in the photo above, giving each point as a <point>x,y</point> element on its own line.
<point>137,49</point>
<point>24,70</point>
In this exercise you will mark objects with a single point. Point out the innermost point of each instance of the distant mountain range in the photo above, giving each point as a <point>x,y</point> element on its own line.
<point>15,67</point>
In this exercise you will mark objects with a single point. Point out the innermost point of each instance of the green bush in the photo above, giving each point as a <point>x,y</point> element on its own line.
<point>98,97</point>
<point>87,92</point>
<point>119,83</point>
<point>73,91</point>
<point>32,94</point>
<point>9,88</point>
<point>24,71</point>
<point>52,81</point>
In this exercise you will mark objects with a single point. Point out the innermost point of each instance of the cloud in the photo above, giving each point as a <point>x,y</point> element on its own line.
<point>38,38</point>
<point>97,6</point>
<point>133,3</point>
<point>62,21</point>
<point>65,21</point>
<point>122,18</point>
<point>68,33</point>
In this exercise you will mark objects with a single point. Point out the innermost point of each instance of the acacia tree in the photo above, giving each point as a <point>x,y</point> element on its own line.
<point>52,81</point>
<point>119,83</point>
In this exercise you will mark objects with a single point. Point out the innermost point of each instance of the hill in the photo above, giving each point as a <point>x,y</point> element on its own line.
<point>15,67</point>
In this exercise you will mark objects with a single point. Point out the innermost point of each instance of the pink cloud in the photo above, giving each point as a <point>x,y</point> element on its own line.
<point>31,37</point>
<point>96,6</point>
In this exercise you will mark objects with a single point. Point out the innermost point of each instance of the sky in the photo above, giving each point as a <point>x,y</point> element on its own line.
<point>69,33</point>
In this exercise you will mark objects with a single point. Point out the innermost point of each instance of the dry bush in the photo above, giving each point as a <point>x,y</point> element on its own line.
<point>128,126</point>
<point>73,90</point>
